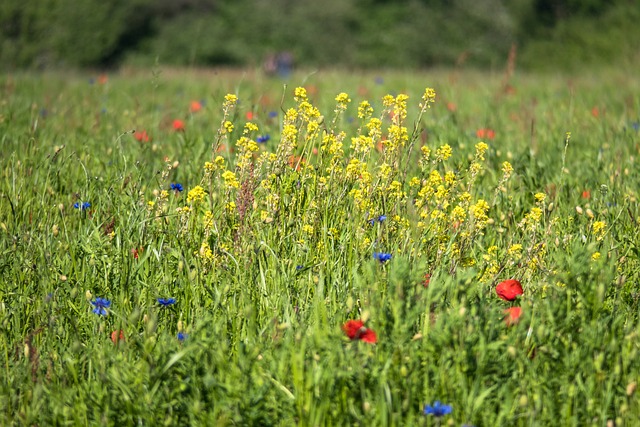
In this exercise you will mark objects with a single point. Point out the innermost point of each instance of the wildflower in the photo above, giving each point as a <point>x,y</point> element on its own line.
<point>249,115</point>
<point>182,336</point>
<point>356,330</point>
<point>438,409</point>
<point>117,336</point>
<point>82,206</point>
<point>586,194</point>
<point>427,280</point>
<point>509,289</point>
<point>136,252</point>
<point>429,96</point>
<point>196,194</point>
<point>365,110</point>
<point>100,306</point>
<point>229,101</point>
<point>273,114</point>
<point>263,138</point>
<point>598,228</point>
<point>485,133</point>
<point>176,187</point>
<point>195,106</point>
<point>507,169</point>
<point>443,153</point>
<point>382,256</point>
<point>512,315</point>
<point>178,125</point>
<point>166,302</point>
<point>595,256</point>
<point>379,219</point>
<point>142,136</point>
<point>540,197</point>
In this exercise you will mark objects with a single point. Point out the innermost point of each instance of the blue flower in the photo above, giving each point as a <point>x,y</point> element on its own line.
<point>438,409</point>
<point>273,114</point>
<point>379,219</point>
<point>176,187</point>
<point>100,306</point>
<point>182,336</point>
<point>382,256</point>
<point>82,206</point>
<point>263,138</point>
<point>299,267</point>
<point>635,126</point>
<point>166,302</point>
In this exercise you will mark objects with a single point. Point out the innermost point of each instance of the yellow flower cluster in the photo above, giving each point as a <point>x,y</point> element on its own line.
<point>196,195</point>
<point>599,229</point>
<point>343,100</point>
<point>230,180</point>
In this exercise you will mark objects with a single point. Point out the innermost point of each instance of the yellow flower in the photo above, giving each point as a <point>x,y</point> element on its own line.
<point>595,256</point>
<point>230,100</point>
<point>515,250</point>
<point>207,221</point>
<point>250,127</point>
<point>230,180</point>
<point>458,214</point>
<point>230,207</point>
<point>429,96</point>
<point>342,99</point>
<point>228,126</point>
<point>598,228</point>
<point>481,148</point>
<point>540,197</point>
<point>196,194</point>
<point>507,169</point>
<point>388,101</point>
<point>365,110</point>
<point>300,94</point>
<point>443,153</point>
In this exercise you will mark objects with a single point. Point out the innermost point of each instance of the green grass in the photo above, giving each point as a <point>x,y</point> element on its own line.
<point>263,289</point>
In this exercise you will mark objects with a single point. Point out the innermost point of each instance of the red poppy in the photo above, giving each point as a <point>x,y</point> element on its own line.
<point>178,125</point>
<point>452,107</point>
<point>250,115</point>
<point>595,112</point>
<point>509,289</point>
<point>103,79</point>
<point>195,106</point>
<point>117,336</point>
<point>512,315</point>
<point>485,133</point>
<point>356,330</point>
<point>136,252</point>
<point>586,194</point>
<point>427,279</point>
<point>142,136</point>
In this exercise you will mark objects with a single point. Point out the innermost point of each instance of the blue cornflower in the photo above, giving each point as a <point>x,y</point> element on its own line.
<point>182,336</point>
<point>635,126</point>
<point>438,409</point>
<point>82,206</point>
<point>263,138</point>
<point>379,219</point>
<point>100,306</point>
<point>166,302</point>
<point>382,256</point>
<point>273,114</point>
<point>176,187</point>
<point>299,267</point>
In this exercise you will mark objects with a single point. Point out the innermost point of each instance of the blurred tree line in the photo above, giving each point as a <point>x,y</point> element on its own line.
<point>347,33</point>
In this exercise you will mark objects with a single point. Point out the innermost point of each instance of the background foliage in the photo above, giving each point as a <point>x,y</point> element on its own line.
<point>351,33</point>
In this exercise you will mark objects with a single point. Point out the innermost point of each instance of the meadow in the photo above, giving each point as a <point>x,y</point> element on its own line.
<point>217,247</point>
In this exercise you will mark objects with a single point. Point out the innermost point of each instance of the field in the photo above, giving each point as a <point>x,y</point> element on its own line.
<point>205,247</point>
